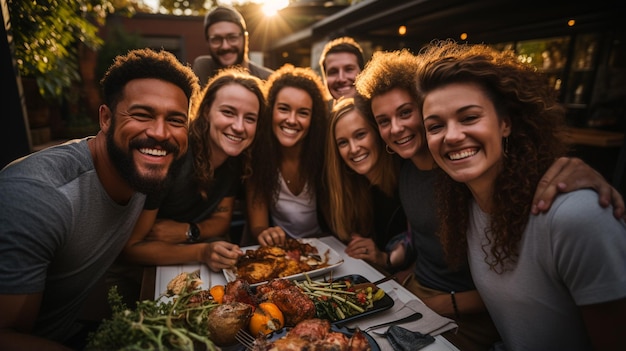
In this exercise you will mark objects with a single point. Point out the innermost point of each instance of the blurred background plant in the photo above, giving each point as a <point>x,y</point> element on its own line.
<point>47,35</point>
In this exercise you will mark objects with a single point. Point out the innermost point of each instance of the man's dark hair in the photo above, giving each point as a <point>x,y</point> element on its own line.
<point>146,63</point>
<point>342,44</point>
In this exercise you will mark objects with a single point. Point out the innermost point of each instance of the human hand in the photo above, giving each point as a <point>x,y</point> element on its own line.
<point>219,255</point>
<point>364,248</point>
<point>169,231</point>
<point>568,174</point>
<point>272,236</point>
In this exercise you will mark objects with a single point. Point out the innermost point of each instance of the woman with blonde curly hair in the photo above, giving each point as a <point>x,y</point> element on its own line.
<point>550,282</point>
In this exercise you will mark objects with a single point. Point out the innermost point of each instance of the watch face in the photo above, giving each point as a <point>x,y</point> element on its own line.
<point>194,232</point>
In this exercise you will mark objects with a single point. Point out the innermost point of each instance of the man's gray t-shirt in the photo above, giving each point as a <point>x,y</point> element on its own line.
<point>59,232</point>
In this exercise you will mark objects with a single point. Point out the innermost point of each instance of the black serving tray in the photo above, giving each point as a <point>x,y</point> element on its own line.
<point>381,305</point>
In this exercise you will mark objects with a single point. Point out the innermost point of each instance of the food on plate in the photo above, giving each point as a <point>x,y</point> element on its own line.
<point>293,302</point>
<point>217,292</point>
<point>184,280</point>
<point>267,318</point>
<point>340,299</point>
<point>241,291</point>
<point>180,323</point>
<point>314,334</point>
<point>226,319</point>
<point>269,262</point>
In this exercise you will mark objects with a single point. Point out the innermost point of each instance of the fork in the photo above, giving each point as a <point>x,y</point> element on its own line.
<point>245,339</point>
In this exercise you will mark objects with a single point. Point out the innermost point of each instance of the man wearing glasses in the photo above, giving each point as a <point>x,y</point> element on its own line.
<point>225,32</point>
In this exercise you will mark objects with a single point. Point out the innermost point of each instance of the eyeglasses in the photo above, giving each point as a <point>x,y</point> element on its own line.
<point>232,39</point>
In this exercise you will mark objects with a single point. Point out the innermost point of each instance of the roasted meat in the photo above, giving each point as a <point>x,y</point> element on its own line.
<point>315,335</point>
<point>313,329</point>
<point>295,305</point>
<point>239,290</point>
<point>269,262</point>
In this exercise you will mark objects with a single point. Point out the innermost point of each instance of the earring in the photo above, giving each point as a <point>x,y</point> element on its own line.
<point>505,143</point>
<point>388,149</point>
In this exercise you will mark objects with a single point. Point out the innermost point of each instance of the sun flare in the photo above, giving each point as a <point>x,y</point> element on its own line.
<point>270,8</point>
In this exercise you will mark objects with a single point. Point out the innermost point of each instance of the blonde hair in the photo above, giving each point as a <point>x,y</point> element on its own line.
<point>349,204</point>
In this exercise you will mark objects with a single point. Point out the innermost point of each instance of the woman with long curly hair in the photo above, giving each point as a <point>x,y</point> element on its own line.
<point>287,162</point>
<point>362,204</point>
<point>389,82</point>
<point>492,124</point>
<point>197,207</point>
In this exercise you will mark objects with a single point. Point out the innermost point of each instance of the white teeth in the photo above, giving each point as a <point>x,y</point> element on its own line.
<point>289,130</point>
<point>404,140</point>
<point>153,152</point>
<point>462,154</point>
<point>359,158</point>
<point>233,138</point>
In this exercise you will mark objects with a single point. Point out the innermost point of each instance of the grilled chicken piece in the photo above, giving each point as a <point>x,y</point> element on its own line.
<point>358,342</point>
<point>314,335</point>
<point>310,329</point>
<point>239,290</point>
<point>295,305</point>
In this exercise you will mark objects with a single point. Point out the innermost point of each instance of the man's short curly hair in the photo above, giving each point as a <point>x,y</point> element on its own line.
<point>146,63</point>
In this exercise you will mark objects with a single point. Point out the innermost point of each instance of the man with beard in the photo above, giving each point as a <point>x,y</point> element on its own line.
<point>68,210</point>
<point>225,32</point>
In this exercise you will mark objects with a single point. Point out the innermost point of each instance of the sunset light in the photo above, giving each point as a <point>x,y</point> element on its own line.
<point>270,8</point>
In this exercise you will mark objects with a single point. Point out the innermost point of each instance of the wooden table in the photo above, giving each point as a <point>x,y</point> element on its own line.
<point>156,280</point>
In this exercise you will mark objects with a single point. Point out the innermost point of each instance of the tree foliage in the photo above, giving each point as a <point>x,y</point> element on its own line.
<point>47,35</point>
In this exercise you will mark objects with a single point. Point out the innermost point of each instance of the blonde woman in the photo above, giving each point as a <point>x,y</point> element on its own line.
<point>363,208</point>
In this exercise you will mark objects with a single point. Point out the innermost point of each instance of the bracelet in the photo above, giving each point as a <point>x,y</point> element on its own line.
<point>456,308</point>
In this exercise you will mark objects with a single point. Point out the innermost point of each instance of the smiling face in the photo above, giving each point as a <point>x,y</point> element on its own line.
<point>357,142</point>
<point>291,116</point>
<point>228,52</point>
<point>400,125</point>
<point>341,71</point>
<point>233,119</point>
<point>465,134</point>
<point>148,132</point>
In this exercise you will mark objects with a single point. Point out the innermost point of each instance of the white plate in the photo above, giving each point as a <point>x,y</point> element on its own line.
<point>334,260</point>
<point>165,274</point>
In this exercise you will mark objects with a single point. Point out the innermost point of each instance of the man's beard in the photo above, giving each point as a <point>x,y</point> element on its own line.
<point>125,165</point>
<point>216,59</point>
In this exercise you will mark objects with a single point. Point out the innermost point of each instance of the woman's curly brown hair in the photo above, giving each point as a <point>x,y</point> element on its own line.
<point>521,95</point>
<point>200,124</point>
<point>387,70</point>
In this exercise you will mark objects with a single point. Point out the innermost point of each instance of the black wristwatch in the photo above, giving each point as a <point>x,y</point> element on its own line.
<point>193,233</point>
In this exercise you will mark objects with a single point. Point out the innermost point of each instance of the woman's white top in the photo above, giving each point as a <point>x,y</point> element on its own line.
<point>297,215</point>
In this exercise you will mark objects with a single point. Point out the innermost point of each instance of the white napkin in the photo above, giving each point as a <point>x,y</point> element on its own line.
<point>431,323</point>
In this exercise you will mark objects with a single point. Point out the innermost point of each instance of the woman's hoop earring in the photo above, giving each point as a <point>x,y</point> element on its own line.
<point>388,149</point>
